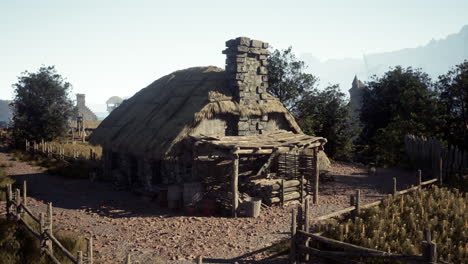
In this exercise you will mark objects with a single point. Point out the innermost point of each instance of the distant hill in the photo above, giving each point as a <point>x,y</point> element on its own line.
<point>5,111</point>
<point>434,58</point>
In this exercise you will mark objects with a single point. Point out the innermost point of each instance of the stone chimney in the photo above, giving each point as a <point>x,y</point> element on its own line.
<point>247,79</point>
<point>80,101</point>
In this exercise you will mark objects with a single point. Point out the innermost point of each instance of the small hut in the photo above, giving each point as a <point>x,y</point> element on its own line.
<point>216,129</point>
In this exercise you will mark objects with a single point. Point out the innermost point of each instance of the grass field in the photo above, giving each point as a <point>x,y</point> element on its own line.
<point>398,225</point>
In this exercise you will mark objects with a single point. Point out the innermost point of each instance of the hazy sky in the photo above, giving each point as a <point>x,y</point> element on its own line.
<point>107,48</point>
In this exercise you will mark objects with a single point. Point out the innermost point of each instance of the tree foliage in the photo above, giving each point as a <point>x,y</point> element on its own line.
<point>287,79</point>
<point>325,113</point>
<point>321,113</point>
<point>453,93</point>
<point>41,107</point>
<point>398,103</point>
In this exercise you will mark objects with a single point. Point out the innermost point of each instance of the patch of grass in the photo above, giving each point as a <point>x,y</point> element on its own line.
<point>397,226</point>
<point>4,180</point>
<point>6,165</point>
<point>18,245</point>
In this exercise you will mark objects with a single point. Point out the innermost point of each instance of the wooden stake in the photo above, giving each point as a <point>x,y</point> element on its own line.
<point>90,250</point>
<point>79,257</point>
<point>49,216</point>
<point>200,260</point>
<point>306,223</point>
<point>357,211</point>
<point>316,176</point>
<point>419,177</point>
<point>234,184</point>
<point>9,197</point>
<point>394,186</point>
<point>19,210</point>
<point>24,193</point>
<point>129,259</point>
<point>292,251</point>
<point>429,250</point>
<point>440,171</point>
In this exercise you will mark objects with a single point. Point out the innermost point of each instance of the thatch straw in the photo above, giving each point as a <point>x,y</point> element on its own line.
<point>157,117</point>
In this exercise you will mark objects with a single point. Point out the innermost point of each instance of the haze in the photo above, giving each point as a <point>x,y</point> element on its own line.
<point>107,48</point>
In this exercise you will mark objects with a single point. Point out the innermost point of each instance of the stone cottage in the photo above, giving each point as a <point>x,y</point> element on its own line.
<point>201,123</point>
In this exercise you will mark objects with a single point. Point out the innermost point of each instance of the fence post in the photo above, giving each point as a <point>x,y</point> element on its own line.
<point>9,196</point>
<point>429,250</point>
<point>129,260</point>
<point>24,193</point>
<point>441,171</point>
<point>357,210</point>
<point>292,251</point>
<point>394,186</point>
<point>79,257</point>
<point>419,179</point>
<point>200,260</point>
<point>90,250</point>
<point>282,192</point>
<point>306,223</point>
<point>45,241</point>
<point>49,217</point>
<point>316,176</point>
<point>19,209</point>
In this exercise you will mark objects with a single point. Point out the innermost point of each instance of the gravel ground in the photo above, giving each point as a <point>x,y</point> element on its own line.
<point>123,223</point>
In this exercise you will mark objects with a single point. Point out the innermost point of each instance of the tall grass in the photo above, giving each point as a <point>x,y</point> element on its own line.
<point>398,225</point>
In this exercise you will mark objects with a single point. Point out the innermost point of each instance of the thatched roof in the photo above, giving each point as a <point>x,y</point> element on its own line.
<point>157,117</point>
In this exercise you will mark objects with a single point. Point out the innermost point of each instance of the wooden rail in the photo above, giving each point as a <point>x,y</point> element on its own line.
<point>16,208</point>
<point>300,236</point>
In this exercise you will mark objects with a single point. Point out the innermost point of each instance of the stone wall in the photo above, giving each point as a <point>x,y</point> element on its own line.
<point>247,78</point>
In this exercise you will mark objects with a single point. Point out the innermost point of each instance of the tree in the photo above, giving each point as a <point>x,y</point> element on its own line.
<point>41,107</point>
<point>326,113</point>
<point>398,103</point>
<point>287,79</point>
<point>453,93</point>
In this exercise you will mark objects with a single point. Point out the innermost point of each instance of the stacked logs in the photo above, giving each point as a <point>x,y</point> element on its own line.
<point>279,191</point>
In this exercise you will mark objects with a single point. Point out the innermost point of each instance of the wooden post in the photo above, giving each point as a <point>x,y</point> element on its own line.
<point>292,250</point>
<point>394,186</point>
<point>79,257</point>
<point>429,250</point>
<point>427,234</point>
<point>316,176</point>
<point>49,217</point>
<point>129,259</point>
<point>301,189</point>
<point>306,224</point>
<point>419,179</point>
<point>90,250</point>
<point>441,171</point>
<point>282,192</point>
<point>200,260</point>
<point>234,184</point>
<point>357,211</point>
<point>19,209</point>
<point>24,193</point>
<point>9,198</point>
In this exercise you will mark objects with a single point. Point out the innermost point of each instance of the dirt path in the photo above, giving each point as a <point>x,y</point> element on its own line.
<point>123,223</point>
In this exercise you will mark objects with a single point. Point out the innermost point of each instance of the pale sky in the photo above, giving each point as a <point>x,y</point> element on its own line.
<point>107,48</point>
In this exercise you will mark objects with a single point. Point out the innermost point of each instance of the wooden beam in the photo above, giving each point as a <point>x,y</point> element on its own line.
<point>234,184</point>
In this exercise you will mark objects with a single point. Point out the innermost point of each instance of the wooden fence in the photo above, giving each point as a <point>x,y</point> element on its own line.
<point>300,250</point>
<point>429,153</point>
<point>50,150</point>
<point>16,208</point>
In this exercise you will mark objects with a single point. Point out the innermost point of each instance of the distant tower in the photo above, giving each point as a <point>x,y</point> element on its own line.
<point>113,102</point>
<point>356,96</point>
